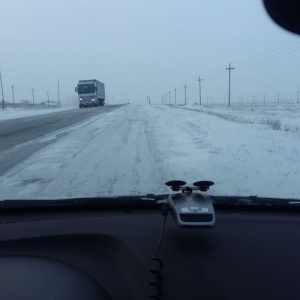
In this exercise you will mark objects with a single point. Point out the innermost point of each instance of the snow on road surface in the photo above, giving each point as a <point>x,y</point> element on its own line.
<point>136,149</point>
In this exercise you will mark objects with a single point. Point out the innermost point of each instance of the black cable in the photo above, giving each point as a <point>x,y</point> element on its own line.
<point>156,272</point>
<point>165,214</point>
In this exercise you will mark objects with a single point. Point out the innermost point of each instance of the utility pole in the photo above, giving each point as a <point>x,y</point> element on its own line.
<point>298,96</point>
<point>229,69</point>
<point>175,95</point>
<point>48,98</point>
<point>169,97</point>
<point>2,90</point>
<point>264,98</point>
<point>185,86</point>
<point>166,98</point>
<point>58,93</point>
<point>13,92</point>
<point>278,97</point>
<point>199,79</point>
<point>32,90</point>
<point>148,100</point>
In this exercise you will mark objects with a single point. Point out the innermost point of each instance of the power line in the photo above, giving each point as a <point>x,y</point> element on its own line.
<point>267,60</point>
<point>281,49</point>
<point>265,57</point>
<point>263,60</point>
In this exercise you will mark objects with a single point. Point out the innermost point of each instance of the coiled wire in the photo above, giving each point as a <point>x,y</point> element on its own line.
<point>156,271</point>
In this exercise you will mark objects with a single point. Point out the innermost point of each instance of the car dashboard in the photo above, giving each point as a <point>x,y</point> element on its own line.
<point>107,252</point>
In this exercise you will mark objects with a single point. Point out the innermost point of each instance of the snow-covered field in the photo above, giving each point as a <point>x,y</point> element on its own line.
<point>288,114</point>
<point>136,149</point>
<point>14,113</point>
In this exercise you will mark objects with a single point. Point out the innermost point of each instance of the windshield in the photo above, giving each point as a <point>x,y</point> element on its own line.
<point>86,88</point>
<point>186,90</point>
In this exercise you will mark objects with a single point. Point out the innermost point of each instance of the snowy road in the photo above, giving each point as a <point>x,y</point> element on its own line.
<point>14,132</point>
<point>135,149</point>
<point>25,135</point>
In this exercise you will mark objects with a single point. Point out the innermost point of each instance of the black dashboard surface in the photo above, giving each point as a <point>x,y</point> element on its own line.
<point>248,255</point>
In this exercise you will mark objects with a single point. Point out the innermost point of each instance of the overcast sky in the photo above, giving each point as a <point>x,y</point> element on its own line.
<point>141,48</point>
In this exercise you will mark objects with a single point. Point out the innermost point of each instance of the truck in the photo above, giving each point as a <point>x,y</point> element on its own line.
<point>90,93</point>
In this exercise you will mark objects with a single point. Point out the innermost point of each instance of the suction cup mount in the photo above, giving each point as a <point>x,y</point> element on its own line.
<point>179,185</point>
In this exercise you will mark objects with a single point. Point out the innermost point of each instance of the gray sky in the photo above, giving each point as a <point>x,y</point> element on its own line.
<point>141,48</point>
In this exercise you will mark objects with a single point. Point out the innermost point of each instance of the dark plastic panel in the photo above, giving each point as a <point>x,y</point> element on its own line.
<point>248,255</point>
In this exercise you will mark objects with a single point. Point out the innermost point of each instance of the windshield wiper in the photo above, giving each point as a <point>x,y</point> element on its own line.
<point>222,201</point>
<point>144,201</point>
<point>120,201</point>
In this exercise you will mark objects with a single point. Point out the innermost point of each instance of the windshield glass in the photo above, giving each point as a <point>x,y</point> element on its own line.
<point>187,90</point>
<point>86,88</point>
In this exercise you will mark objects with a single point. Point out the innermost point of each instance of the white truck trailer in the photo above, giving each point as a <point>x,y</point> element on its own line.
<point>90,93</point>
